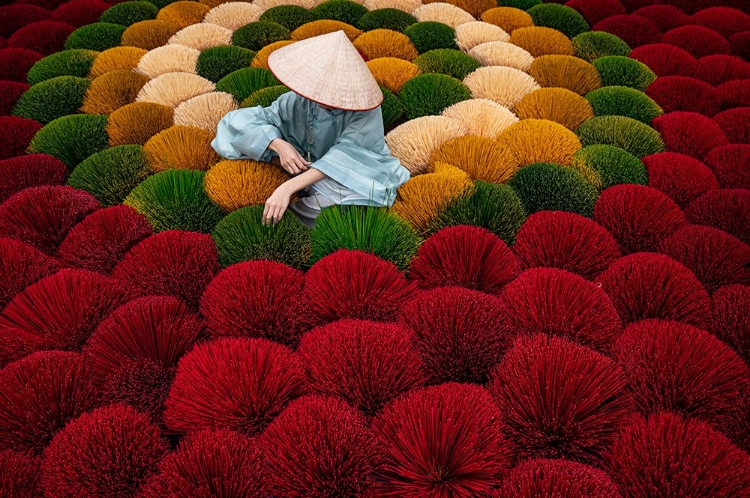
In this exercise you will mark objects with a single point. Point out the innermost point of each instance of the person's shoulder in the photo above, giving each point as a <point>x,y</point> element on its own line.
<point>374,110</point>
<point>288,98</point>
<point>366,115</point>
<point>288,104</point>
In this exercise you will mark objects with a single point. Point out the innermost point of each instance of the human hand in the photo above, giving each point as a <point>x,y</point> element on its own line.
<point>276,205</point>
<point>291,160</point>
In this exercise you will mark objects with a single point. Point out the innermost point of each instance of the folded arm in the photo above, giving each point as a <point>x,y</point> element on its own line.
<point>277,204</point>
<point>247,133</point>
<point>360,161</point>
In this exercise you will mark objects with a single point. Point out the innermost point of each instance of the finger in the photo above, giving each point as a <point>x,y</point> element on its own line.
<point>299,159</point>
<point>291,167</point>
<point>299,164</point>
<point>272,208</point>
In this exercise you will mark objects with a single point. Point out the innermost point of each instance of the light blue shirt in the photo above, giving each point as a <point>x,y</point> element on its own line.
<point>347,146</point>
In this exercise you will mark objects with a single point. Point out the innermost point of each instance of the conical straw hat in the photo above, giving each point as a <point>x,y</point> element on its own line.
<point>327,69</point>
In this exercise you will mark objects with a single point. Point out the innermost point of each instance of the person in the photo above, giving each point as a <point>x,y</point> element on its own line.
<point>327,131</point>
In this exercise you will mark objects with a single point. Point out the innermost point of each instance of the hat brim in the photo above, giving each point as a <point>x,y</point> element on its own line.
<point>291,87</point>
<point>327,69</point>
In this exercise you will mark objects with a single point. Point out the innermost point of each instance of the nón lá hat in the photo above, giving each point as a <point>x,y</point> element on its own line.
<point>327,69</point>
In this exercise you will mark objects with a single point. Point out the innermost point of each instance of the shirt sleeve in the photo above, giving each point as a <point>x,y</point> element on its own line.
<point>246,133</point>
<point>361,161</point>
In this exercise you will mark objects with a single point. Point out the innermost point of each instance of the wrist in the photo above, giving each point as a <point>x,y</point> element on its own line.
<point>272,144</point>
<point>286,188</point>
